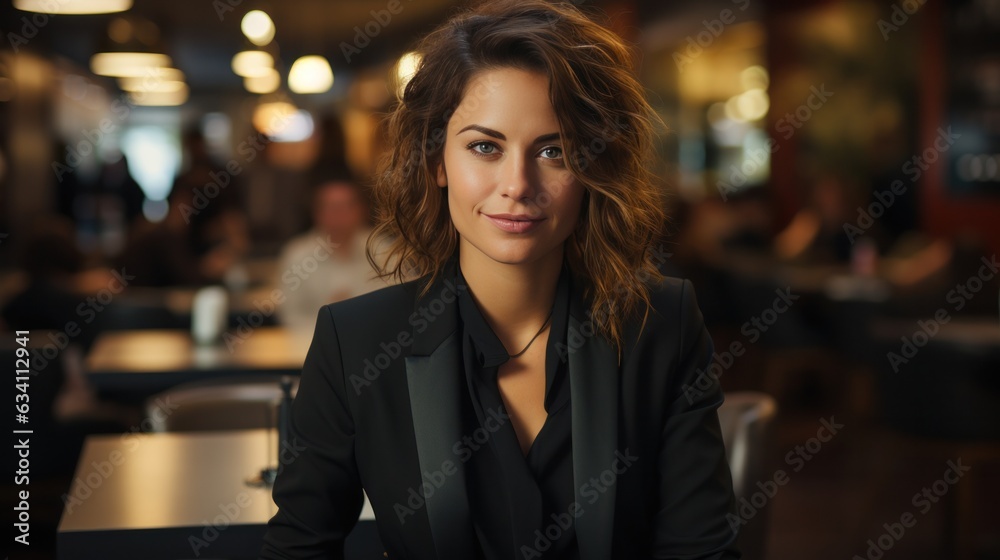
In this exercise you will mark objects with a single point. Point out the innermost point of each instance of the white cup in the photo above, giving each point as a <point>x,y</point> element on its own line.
<point>209,314</point>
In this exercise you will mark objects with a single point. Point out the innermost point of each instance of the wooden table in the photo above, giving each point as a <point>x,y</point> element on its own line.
<point>153,360</point>
<point>180,495</point>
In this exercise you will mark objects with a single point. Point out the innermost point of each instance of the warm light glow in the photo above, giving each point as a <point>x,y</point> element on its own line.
<point>127,64</point>
<point>405,69</point>
<point>154,74</point>
<point>754,77</point>
<point>282,121</point>
<point>272,117</point>
<point>157,79</point>
<point>258,27</point>
<point>73,6</point>
<point>142,84</point>
<point>298,127</point>
<point>263,84</point>
<point>753,104</point>
<point>750,105</point>
<point>732,109</point>
<point>252,64</point>
<point>310,74</point>
<point>160,98</point>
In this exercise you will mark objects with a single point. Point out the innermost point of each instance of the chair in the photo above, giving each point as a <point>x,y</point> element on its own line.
<point>239,403</point>
<point>745,418</point>
<point>236,403</point>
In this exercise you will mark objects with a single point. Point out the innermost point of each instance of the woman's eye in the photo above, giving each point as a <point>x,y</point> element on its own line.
<point>552,152</point>
<point>483,148</point>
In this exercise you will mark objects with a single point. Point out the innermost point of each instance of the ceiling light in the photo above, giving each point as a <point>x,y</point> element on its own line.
<point>127,64</point>
<point>144,84</point>
<point>130,47</point>
<point>159,98</point>
<point>258,27</point>
<point>298,127</point>
<point>753,104</point>
<point>754,77</point>
<point>73,6</point>
<point>266,83</point>
<point>154,79</point>
<point>272,117</point>
<point>310,74</point>
<point>253,64</point>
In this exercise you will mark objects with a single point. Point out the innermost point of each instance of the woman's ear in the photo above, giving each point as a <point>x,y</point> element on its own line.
<point>442,176</point>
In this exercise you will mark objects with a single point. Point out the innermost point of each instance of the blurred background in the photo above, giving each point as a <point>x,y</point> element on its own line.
<point>184,183</point>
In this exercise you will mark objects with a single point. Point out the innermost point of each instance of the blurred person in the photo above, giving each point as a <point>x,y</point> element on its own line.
<point>327,263</point>
<point>816,232</point>
<point>52,263</point>
<point>197,242</point>
<point>59,298</point>
<point>116,181</point>
<point>331,158</point>
<point>448,397</point>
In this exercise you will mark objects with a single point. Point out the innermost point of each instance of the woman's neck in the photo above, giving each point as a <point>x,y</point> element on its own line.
<point>515,299</point>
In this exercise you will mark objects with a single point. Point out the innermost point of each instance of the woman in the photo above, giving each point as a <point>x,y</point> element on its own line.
<point>538,390</point>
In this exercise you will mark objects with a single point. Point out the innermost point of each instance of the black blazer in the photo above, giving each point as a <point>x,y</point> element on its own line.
<point>378,407</point>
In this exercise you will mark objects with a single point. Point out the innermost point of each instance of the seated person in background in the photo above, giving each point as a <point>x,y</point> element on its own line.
<point>328,262</point>
<point>59,285</point>
<point>816,233</point>
<point>195,244</point>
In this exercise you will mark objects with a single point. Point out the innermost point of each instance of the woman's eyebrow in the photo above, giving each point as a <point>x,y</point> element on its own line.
<point>500,136</point>
<point>484,130</point>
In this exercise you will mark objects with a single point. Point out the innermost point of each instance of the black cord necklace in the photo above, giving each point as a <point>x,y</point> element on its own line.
<point>534,337</point>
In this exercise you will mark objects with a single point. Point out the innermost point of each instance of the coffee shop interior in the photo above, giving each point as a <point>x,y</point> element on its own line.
<point>183,184</point>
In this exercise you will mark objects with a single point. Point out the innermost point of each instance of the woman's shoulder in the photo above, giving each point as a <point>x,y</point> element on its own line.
<point>673,312</point>
<point>672,294</point>
<point>379,305</point>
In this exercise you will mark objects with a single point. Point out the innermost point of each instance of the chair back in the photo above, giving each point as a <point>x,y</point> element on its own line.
<point>745,418</point>
<point>237,403</point>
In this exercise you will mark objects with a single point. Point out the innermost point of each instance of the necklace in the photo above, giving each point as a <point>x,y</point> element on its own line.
<point>534,337</point>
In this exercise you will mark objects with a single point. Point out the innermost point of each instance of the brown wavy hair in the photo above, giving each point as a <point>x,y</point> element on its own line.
<point>606,129</point>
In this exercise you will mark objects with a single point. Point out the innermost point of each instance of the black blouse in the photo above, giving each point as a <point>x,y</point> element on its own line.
<point>519,503</point>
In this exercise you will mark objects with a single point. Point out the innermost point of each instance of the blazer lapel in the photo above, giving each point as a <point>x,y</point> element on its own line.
<point>435,382</point>
<point>593,374</point>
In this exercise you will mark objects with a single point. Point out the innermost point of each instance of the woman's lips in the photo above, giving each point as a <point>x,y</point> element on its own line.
<point>512,223</point>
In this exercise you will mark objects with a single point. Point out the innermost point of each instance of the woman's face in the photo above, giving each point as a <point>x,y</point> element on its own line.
<point>510,195</point>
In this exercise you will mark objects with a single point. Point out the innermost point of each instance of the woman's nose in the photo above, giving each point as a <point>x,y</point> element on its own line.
<point>517,179</point>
